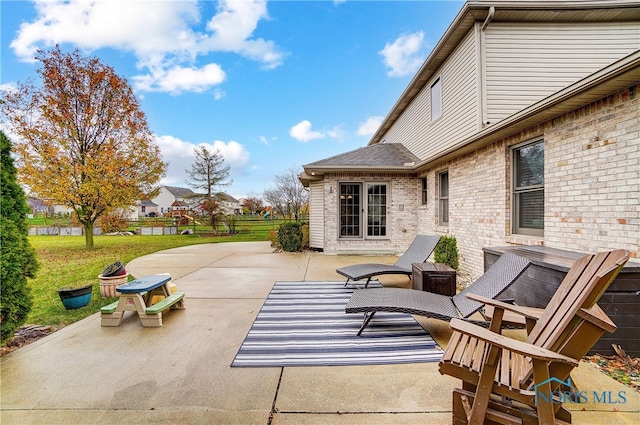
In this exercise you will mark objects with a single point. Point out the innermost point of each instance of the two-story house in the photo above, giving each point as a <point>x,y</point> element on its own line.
<point>170,194</point>
<point>521,127</point>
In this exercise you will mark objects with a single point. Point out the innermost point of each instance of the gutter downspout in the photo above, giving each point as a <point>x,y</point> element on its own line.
<point>483,66</point>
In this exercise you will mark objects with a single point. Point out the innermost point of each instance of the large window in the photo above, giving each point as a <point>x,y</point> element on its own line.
<point>356,210</point>
<point>443,198</point>
<point>528,189</point>
<point>436,100</point>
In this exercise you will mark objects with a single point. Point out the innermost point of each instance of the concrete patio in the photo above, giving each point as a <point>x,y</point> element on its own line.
<point>180,373</point>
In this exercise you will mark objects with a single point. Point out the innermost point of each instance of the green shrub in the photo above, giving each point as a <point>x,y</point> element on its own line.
<point>290,237</point>
<point>305,235</point>
<point>18,260</point>
<point>446,252</point>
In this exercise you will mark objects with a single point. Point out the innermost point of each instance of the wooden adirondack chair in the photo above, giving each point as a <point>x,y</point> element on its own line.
<point>501,376</point>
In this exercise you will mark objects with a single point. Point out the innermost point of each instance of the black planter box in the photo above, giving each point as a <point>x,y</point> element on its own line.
<point>434,277</point>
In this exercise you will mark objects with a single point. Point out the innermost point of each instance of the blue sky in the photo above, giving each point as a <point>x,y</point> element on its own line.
<point>273,85</point>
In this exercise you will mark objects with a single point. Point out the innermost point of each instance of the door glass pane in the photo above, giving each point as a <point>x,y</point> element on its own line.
<point>377,210</point>
<point>350,209</point>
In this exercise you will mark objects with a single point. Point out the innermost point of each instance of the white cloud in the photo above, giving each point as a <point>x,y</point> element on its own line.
<point>405,55</point>
<point>302,132</point>
<point>232,27</point>
<point>158,33</point>
<point>178,79</point>
<point>180,155</point>
<point>370,126</point>
<point>140,26</point>
<point>218,94</point>
<point>336,132</point>
<point>8,87</point>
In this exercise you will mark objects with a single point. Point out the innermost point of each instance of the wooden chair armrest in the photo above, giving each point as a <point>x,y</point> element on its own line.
<point>527,312</point>
<point>518,319</point>
<point>598,317</point>
<point>520,347</point>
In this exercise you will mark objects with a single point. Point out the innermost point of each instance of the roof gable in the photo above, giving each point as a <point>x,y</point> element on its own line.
<point>180,192</point>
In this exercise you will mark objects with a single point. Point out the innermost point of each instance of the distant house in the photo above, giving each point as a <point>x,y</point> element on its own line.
<point>230,204</point>
<point>520,128</point>
<point>37,206</point>
<point>170,194</point>
<point>147,208</point>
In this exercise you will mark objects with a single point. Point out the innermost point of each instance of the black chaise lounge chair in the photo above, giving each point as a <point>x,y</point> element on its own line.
<point>491,284</point>
<point>418,252</point>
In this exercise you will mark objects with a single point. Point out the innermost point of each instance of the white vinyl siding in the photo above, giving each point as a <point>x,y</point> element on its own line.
<point>459,82</point>
<point>316,215</point>
<point>526,62</point>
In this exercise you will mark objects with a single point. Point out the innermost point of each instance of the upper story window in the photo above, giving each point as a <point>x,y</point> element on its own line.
<point>436,100</point>
<point>443,198</point>
<point>528,188</point>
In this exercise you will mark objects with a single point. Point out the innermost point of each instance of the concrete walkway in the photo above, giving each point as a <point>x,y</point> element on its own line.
<point>180,373</point>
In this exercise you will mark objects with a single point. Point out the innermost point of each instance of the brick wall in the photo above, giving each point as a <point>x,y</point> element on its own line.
<point>478,204</point>
<point>592,185</point>
<point>592,176</point>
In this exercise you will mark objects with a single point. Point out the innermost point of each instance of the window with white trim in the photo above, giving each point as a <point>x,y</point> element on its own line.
<point>443,198</point>
<point>528,188</point>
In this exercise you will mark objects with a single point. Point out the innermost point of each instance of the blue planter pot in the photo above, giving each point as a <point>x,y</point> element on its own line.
<point>75,297</point>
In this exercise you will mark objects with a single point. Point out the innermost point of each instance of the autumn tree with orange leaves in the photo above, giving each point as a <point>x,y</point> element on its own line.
<point>81,138</point>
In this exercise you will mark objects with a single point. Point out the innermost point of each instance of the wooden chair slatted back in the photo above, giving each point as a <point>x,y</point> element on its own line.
<point>584,284</point>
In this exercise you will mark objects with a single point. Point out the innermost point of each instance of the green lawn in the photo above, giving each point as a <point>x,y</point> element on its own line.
<point>64,262</point>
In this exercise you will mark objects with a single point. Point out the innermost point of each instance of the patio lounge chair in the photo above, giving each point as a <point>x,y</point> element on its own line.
<point>492,283</point>
<point>418,252</point>
<point>511,381</point>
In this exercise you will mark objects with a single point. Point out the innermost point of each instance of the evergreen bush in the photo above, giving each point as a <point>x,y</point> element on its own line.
<point>18,259</point>
<point>446,252</point>
<point>290,237</point>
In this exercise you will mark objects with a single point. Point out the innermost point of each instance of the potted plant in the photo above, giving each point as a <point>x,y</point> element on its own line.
<point>75,297</point>
<point>111,277</point>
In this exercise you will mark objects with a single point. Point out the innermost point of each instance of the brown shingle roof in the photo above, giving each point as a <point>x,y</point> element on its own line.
<point>393,156</point>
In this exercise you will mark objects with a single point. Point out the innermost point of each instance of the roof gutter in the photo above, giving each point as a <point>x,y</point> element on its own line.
<point>485,24</point>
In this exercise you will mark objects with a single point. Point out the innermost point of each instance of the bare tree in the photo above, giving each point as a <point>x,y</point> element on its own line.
<point>254,204</point>
<point>289,197</point>
<point>207,173</point>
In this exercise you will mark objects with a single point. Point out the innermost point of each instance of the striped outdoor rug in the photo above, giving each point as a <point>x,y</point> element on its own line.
<point>304,324</point>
